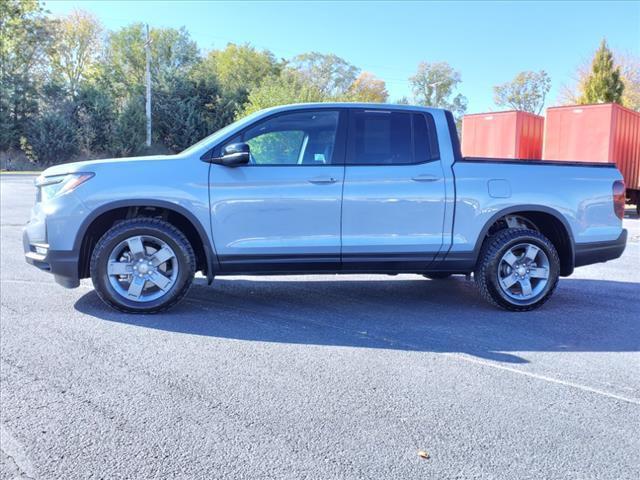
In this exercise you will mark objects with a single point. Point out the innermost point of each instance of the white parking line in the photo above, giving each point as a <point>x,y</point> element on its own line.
<point>36,282</point>
<point>578,386</point>
<point>16,452</point>
<point>545,378</point>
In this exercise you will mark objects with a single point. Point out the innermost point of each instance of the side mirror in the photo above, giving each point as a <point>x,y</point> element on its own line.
<point>233,155</point>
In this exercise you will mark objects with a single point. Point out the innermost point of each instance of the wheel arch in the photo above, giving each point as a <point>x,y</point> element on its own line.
<point>102,218</point>
<point>550,223</point>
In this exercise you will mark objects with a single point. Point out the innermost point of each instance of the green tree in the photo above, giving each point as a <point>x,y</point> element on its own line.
<point>629,64</point>
<point>25,36</point>
<point>434,85</point>
<point>124,64</point>
<point>604,83</point>
<point>76,49</point>
<point>526,92</point>
<point>173,54</point>
<point>174,57</point>
<point>51,138</point>
<point>237,70</point>
<point>70,89</point>
<point>129,130</point>
<point>185,113</point>
<point>242,67</point>
<point>288,88</point>
<point>95,116</point>
<point>367,88</point>
<point>330,74</point>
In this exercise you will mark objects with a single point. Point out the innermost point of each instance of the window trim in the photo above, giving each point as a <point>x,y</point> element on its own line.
<point>432,137</point>
<point>339,149</point>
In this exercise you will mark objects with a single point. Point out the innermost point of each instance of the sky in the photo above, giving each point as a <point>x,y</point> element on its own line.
<point>487,42</point>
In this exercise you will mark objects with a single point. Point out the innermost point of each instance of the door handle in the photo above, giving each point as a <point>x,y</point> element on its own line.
<point>425,178</point>
<point>322,180</point>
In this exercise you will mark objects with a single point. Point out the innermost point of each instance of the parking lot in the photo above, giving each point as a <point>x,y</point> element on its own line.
<point>318,377</point>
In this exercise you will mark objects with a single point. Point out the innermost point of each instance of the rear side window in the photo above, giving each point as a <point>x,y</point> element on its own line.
<point>425,142</point>
<point>391,138</point>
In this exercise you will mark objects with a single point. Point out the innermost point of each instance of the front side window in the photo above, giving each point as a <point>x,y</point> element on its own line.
<point>297,138</point>
<point>391,138</point>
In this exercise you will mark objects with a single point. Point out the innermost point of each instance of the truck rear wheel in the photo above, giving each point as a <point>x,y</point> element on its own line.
<point>518,269</point>
<point>142,265</point>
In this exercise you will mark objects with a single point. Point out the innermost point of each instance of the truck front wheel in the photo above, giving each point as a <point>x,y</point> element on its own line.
<point>142,265</point>
<point>518,269</point>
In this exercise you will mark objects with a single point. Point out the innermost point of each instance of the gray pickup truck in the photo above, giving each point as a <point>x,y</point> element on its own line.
<point>324,188</point>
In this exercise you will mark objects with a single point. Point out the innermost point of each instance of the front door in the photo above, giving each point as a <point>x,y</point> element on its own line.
<point>394,191</point>
<point>281,212</point>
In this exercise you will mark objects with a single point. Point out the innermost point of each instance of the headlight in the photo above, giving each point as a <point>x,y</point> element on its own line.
<point>57,185</point>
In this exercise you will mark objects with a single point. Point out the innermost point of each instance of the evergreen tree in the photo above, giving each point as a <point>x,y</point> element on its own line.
<point>95,117</point>
<point>603,85</point>
<point>129,129</point>
<point>50,138</point>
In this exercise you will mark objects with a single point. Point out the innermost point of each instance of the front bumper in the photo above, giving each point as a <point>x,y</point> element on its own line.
<point>596,252</point>
<point>62,264</point>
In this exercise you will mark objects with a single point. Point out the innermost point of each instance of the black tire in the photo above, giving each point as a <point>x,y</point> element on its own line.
<point>486,272</point>
<point>160,229</point>
<point>437,275</point>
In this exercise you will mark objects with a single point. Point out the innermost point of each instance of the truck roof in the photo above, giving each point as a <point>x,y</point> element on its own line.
<point>368,106</point>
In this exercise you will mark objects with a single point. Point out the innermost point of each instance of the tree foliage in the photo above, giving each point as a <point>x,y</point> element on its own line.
<point>25,38</point>
<point>95,116</point>
<point>51,138</point>
<point>237,70</point>
<point>367,88</point>
<point>184,113</point>
<point>76,49</point>
<point>289,87</point>
<point>629,64</point>
<point>434,85</point>
<point>526,92</point>
<point>129,129</point>
<point>71,90</point>
<point>173,54</point>
<point>330,74</point>
<point>604,83</point>
<point>294,86</point>
<point>242,67</point>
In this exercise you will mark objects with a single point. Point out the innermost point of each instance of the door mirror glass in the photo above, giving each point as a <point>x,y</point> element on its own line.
<point>234,154</point>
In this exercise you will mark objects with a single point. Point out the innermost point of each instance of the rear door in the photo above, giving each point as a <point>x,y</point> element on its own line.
<point>394,192</point>
<point>282,211</point>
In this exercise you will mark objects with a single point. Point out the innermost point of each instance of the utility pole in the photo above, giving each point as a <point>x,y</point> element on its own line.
<point>148,77</point>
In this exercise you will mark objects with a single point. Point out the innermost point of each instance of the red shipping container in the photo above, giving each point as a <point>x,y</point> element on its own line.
<point>510,134</point>
<point>604,133</point>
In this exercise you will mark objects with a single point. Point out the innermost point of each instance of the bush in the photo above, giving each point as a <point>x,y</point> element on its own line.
<point>96,119</point>
<point>181,113</point>
<point>50,138</point>
<point>129,134</point>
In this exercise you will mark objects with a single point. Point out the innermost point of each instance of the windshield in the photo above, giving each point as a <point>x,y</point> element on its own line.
<point>211,139</point>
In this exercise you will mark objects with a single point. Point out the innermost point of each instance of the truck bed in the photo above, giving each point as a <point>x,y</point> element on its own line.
<point>561,163</point>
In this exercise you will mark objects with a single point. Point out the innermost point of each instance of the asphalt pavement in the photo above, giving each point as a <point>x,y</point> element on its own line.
<point>318,377</point>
